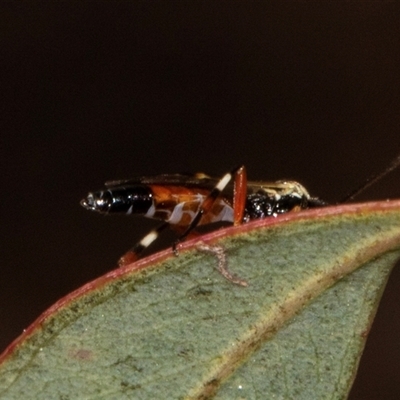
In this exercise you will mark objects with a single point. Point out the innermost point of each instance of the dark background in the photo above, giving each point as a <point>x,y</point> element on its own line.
<point>92,91</point>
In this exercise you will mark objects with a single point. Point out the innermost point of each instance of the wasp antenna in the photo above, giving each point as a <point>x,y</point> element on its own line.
<point>372,179</point>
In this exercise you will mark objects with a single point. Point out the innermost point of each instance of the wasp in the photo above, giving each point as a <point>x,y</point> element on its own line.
<point>185,202</point>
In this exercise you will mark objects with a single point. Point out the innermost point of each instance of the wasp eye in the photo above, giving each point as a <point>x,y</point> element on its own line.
<point>99,201</point>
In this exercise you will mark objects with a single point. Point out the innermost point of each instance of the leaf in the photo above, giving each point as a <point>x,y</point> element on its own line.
<point>173,328</point>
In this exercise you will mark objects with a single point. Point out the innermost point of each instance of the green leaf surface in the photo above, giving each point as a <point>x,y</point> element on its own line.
<point>173,328</point>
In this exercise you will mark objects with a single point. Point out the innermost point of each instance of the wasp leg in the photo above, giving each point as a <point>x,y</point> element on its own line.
<point>239,195</point>
<point>205,207</point>
<point>239,202</point>
<point>134,253</point>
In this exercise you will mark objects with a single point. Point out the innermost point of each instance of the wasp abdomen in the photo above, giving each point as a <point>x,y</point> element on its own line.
<point>136,199</point>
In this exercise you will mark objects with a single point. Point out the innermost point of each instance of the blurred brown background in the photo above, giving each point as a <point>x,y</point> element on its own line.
<point>92,91</point>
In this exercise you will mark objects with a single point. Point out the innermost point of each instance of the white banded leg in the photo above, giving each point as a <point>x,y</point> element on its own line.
<point>204,208</point>
<point>207,204</point>
<point>134,253</point>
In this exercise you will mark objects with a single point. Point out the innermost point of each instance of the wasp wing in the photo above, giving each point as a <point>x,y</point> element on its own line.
<point>198,180</point>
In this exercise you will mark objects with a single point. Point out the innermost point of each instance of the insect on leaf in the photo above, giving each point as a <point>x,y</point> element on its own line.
<point>172,327</point>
